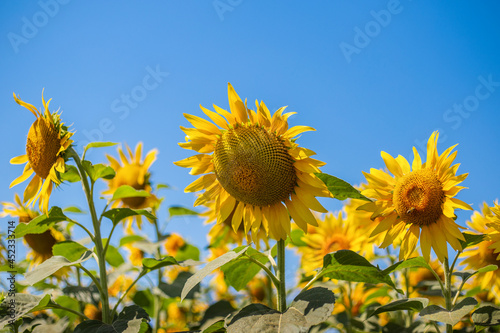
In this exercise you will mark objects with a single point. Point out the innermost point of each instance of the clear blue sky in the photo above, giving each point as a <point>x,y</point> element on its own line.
<point>368,75</point>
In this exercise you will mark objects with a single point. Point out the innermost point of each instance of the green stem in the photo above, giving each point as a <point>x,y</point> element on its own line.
<point>106,318</point>
<point>266,269</point>
<point>447,291</point>
<point>157,300</point>
<point>281,276</point>
<point>57,306</point>
<point>85,229</point>
<point>128,289</point>
<point>91,276</point>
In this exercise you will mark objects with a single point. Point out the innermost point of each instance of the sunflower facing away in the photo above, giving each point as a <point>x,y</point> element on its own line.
<point>133,172</point>
<point>486,252</point>
<point>253,169</point>
<point>48,140</point>
<point>40,244</point>
<point>418,201</point>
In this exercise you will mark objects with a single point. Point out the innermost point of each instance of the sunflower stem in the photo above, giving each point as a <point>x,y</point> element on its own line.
<point>281,276</point>
<point>266,269</point>
<point>157,300</point>
<point>141,274</point>
<point>447,291</point>
<point>97,234</point>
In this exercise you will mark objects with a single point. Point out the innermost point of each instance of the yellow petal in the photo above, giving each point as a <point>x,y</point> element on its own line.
<point>237,216</point>
<point>201,183</point>
<point>202,125</point>
<point>21,159</point>
<point>21,178</point>
<point>237,107</point>
<point>392,164</point>
<point>309,200</point>
<point>216,118</point>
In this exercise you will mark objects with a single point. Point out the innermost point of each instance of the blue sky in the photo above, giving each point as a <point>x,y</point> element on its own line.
<point>369,76</point>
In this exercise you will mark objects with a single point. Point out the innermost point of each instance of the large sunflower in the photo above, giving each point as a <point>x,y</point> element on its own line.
<point>133,172</point>
<point>47,142</point>
<point>253,168</point>
<point>486,252</point>
<point>40,244</point>
<point>418,201</point>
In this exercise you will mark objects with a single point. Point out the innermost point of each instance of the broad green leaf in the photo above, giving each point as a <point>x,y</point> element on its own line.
<point>214,316</point>
<point>340,189</point>
<point>69,250</point>
<point>22,304</point>
<point>209,267</point>
<point>127,191</point>
<point>153,264</point>
<point>349,266</point>
<point>130,239</point>
<point>69,303</point>
<point>437,313</point>
<point>118,214</point>
<point>74,210</point>
<point>49,267</point>
<point>70,175</point>
<point>98,171</point>
<point>417,262</point>
<point>132,319</point>
<point>41,223</point>
<point>471,240</point>
<point>217,327</point>
<point>296,237</point>
<point>180,211</point>
<point>174,289</point>
<point>113,256</point>
<point>486,315</point>
<point>414,304</point>
<point>465,275</point>
<point>309,308</point>
<point>239,272</point>
<point>186,252</point>
<point>144,299</point>
<point>97,145</point>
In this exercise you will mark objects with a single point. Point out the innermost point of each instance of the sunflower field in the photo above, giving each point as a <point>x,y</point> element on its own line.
<point>393,259</point>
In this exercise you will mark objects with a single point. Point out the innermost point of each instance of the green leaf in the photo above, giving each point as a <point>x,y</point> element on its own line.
<point>340,189</point>
<point>471,240</point>
<point>74,209</point>
<point>97,145</point>
<point>41,223</point>
<point>239,272</point>
<point>186,252</point>
<point>217,327</point>
<point>118,214</point>
<point>49,267</point>
<point>132,319</point>
<point>486,315</point>
<point>69,250</point>
<point>114,257</point>
<point>296,237</point>
<point>162,186</point>
<point>465,275</point>
<point>212,265</point>
<point>414,304</point>
<point>144,299</point>
<point>309,308</point>
<point>437,313</point>
<point>70,175</point>
<point>98,171</point>
<point>174,289</point>
<point>153,264</point>
<point>417,262</point>
<point>22,304</point>
<point>349,266</point>
<point>88,294</point>
<point>130,239</point>
<point>69,303</point>
<point>127,191</point>
<point>214,316</point>
<point>180,211</point>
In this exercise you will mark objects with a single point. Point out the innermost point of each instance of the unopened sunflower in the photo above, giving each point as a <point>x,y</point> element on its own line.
<point>486,252</point>
<point>48,140</point>
<point>253,169</point>
<point>133,171</point>
<point>40,244</point>
<point>418,201</point>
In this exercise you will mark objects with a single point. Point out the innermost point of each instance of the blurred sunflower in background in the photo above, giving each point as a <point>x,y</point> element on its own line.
<point>133,171</point>
<point>486,252</point>
<point>252,168</point>
<point>46,146</point>
<point>418,201</point>
<point>333,233</point>
<point>40,244</point>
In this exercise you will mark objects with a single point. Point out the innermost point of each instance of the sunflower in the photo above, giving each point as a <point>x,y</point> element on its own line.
<point>486,252</point>
<point>253,169</point>
<point>133,172</point>
<point>41,244</point>
<point>332,234</point>
<point>48,140</point>
<point>418,201</point>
